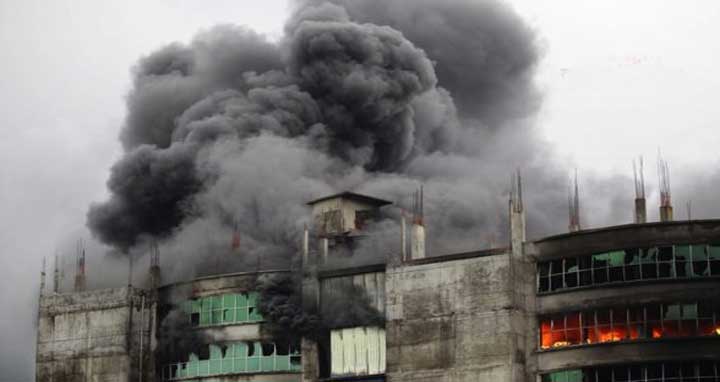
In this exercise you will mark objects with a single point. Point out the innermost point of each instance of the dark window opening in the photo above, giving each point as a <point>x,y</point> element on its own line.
<point>267,349</point>
<point>204,352</point>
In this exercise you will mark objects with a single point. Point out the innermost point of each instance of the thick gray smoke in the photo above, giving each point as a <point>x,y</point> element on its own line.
<point>235,132</point>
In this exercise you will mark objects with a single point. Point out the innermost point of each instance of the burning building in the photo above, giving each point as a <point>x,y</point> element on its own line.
<point>227,140</point>
<point>635,302</point>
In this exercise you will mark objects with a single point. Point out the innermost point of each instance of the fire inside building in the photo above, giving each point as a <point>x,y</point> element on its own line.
<point>635,302</point>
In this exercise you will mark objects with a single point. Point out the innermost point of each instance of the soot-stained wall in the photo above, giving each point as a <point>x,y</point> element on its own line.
<point>95,335</point>
<point>456,321</point>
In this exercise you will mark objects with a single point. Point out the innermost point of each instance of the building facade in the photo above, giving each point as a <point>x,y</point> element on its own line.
<point>638,302</point>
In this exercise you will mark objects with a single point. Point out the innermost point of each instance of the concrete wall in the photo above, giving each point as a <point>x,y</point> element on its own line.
<point>457,320</point>
<point>94,336</point>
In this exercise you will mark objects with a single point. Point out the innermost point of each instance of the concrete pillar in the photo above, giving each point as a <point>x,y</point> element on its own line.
<point>666,213</point>
<point>155,279</point>
<point>305,245</point>
<point>517,229</point>
<point>417,242</point>
<point>517,216</point>
<point>640,211</point>
<point>311,303</point>
<point>403,239</point>
<point>324,249</point>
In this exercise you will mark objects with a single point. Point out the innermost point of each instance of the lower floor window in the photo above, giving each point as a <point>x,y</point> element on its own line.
<point>236,358</point>
<point>357,351</point>
<point>691,371</point>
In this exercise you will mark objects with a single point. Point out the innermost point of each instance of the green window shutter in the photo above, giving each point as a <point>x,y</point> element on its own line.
<point>228,315</point>
<point>689,311</point>
<point>241,300</point>
<point>253,311</point>
<point>228,301</point>
<point>216,317</point>
<point>714,252</point>
<point>672,312</point>
<point>682,251</point>
<point>574,376</point>
<point>282,363</point>
<point>204,318</point>
<point>241,314</point>
<point>216,366</point>
<point>203,368</point>
<point>215,352</point>
<point>253,364</point>
<point>616,258</point>
<point>206,304</point>
<point>216,302</point>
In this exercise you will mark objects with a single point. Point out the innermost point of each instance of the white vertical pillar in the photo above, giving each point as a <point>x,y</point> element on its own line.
<point>403,239</point>
<point>417,247</point>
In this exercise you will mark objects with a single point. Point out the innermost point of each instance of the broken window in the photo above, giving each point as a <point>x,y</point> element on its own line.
<point>556,274</point>
<point>714,259</point>
<point>571,273</point>
<point>649,372</point>
<point>683,263</point>
<point>632,264</point>
<point>223,309</point>
<point>234,358</point>
<point>544,277</point>
<point>673,261</point>
<point>700,264</point>
<point>564,376</point>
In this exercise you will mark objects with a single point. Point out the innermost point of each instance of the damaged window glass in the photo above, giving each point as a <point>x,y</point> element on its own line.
<point>627,265</point>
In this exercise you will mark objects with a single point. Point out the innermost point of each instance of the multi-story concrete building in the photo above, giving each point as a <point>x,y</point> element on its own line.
<point>638,302</point>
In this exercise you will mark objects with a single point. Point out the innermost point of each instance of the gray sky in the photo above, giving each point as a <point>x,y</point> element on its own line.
<point>620,79</point>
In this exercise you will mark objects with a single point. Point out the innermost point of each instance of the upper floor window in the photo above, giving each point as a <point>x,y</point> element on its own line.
<point>224,309</point>
<point>667,262</point>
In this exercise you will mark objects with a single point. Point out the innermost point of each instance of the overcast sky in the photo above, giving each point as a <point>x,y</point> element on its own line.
<point>621,78</point>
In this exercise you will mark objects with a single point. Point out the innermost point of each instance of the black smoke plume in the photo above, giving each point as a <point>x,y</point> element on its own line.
<point>176,337</point>
<point>233,132</point>
<point>281,305</point>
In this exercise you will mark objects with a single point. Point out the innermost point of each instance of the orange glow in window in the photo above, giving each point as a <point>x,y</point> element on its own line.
<point>546,336</point>
<point>607,335</point>
<point>656,333</point>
